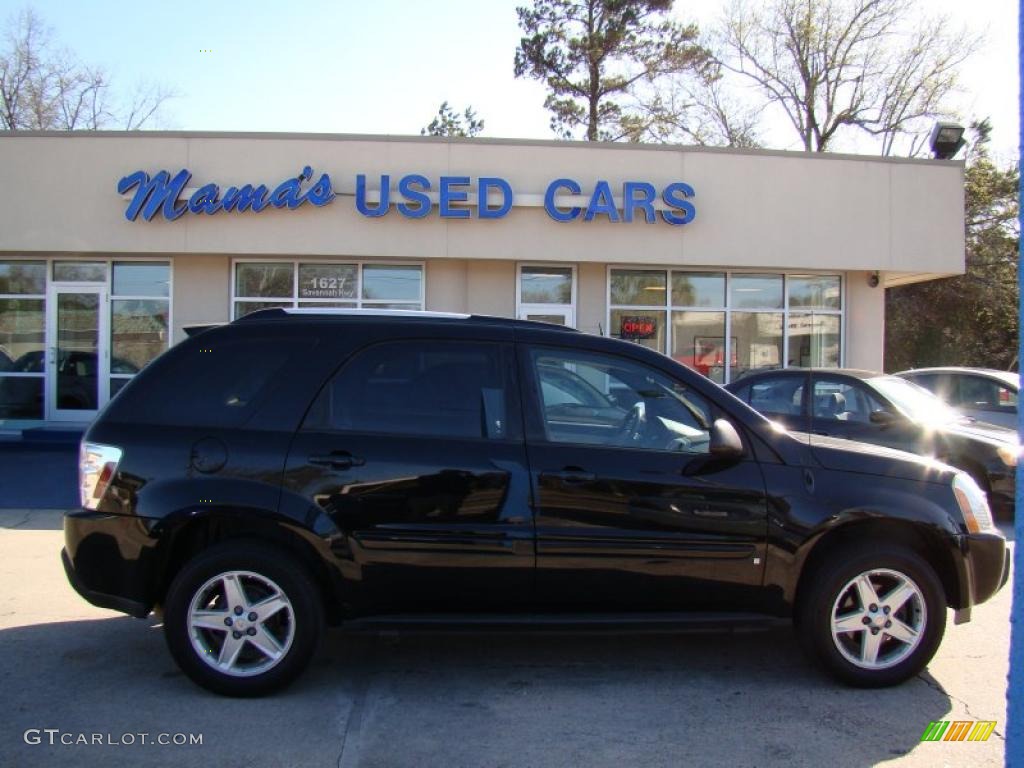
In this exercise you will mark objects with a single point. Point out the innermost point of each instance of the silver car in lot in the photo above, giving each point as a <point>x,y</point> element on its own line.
<point>985,394</point>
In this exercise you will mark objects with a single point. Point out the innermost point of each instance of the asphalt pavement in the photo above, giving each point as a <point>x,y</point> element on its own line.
<point>72,672</point>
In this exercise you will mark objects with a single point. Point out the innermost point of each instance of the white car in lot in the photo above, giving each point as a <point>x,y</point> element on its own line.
<point>983,393</point>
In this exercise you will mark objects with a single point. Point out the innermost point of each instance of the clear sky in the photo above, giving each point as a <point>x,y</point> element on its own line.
<point>384,67</point>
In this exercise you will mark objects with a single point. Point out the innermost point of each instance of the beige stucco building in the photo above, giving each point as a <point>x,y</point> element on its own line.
<point>726,260</point>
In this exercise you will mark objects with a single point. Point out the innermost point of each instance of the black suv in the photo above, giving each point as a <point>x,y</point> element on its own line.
<point>297,468</point>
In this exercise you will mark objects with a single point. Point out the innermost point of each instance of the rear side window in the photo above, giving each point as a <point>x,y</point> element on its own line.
<point>985,394</point>
<point>781,396</point>
<point>428,388</point>
<point>215,384</point>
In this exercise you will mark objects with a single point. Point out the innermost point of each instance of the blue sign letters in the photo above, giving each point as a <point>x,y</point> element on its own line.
<point>415,198</point>
<point>161,194</point>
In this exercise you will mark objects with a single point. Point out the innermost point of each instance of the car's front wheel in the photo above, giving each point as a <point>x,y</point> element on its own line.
<point>873,616</point>
<point>242,619</point>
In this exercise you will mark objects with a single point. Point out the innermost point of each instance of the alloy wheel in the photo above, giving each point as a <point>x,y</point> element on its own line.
<point>241,623</point>
<point>878,619</point>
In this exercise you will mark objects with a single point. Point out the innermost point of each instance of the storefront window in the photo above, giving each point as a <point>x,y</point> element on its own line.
<point>22,277</point>
<point>327,281</point>
<point>138,278</point>
<point>140,309</point>
<point>643,326</point>
<point>638,287</point>
<point>545,285</point>
<point>22,338</point>
<point>80,272</point>
<point>755,292</point>
<point>813,340</point>
<point>758,342</point>
<point>389,283</point>
<point>725,324</point>
<point>262,285</point>
<point>698,289</point>
<point>264,279</point>
<point>698,340</point>
<point>814,291</point>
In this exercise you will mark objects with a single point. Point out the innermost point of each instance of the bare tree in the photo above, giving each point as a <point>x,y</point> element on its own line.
<point>697,108</point>
<point>876,66</point>
<point>44,87</point>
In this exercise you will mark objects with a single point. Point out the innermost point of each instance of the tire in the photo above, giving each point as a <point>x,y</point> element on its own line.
<point>232,661</point>
<point>835,597</point>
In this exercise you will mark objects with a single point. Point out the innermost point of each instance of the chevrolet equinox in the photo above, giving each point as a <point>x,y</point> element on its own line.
<point>298,468</point>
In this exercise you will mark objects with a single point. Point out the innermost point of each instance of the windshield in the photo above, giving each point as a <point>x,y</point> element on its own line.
<point>916,402</point>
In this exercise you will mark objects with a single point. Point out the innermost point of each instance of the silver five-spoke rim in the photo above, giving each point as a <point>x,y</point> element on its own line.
<point>878,619</point>
<point>241,623</point>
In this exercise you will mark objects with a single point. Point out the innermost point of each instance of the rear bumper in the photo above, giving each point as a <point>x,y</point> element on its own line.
<point>110,560</point>
<point>101,599</point>
<point>983,568</point>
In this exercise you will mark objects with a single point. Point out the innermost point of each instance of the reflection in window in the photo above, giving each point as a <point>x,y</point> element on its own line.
<point>388,283</point>
<point>80,271</point>
<point>813,340</point>
<point>755,291</point>
<point>698,340</point>
<point>545,285</point>
<point>263,279</point>
<point>814,291</point>
<point>22,277</point>
<point>723,324</point>
<point>259,285</point>
<point>327,281</point>
<point>133,278</point>
<point>698,289</point>
<point>638,287</point>
<point>138,332</point>
<point>758,342</point>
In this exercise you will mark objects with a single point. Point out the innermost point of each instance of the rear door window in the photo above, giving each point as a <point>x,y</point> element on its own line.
<point>452,389</point>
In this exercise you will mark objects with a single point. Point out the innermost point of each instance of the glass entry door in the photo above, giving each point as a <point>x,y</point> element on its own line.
<point>77,355</point>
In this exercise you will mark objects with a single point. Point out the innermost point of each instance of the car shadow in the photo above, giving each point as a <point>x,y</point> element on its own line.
<point>465,698</point>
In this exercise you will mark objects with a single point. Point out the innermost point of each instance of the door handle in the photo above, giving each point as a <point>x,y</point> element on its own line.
<point>338,460</point>
<point>572,476</point>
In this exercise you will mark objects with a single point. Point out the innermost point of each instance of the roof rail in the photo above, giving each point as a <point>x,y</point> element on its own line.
<point>312,312</point>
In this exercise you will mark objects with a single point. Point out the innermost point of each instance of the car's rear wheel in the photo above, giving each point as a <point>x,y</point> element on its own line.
<point>873,616</point>
<point>243,619</point>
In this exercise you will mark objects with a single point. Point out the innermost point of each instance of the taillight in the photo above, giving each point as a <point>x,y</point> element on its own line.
<point>96,467</point>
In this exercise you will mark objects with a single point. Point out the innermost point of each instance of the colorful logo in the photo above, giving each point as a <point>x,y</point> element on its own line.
<point>958,730</point>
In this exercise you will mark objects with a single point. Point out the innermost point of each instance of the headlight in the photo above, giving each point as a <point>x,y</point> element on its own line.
<point>973,504</point>
<point>96,467</point>
<point>1008,455</point>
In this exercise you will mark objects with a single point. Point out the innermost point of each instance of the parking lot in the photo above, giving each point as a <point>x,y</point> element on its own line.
<point>468,699</point>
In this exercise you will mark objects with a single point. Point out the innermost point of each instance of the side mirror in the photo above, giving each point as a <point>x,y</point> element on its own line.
<point>725,441</point>
<point>883,418</point>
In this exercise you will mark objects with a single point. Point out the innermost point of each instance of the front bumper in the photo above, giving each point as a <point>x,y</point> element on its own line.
<point>110,560</point>
<point>983,568</point>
